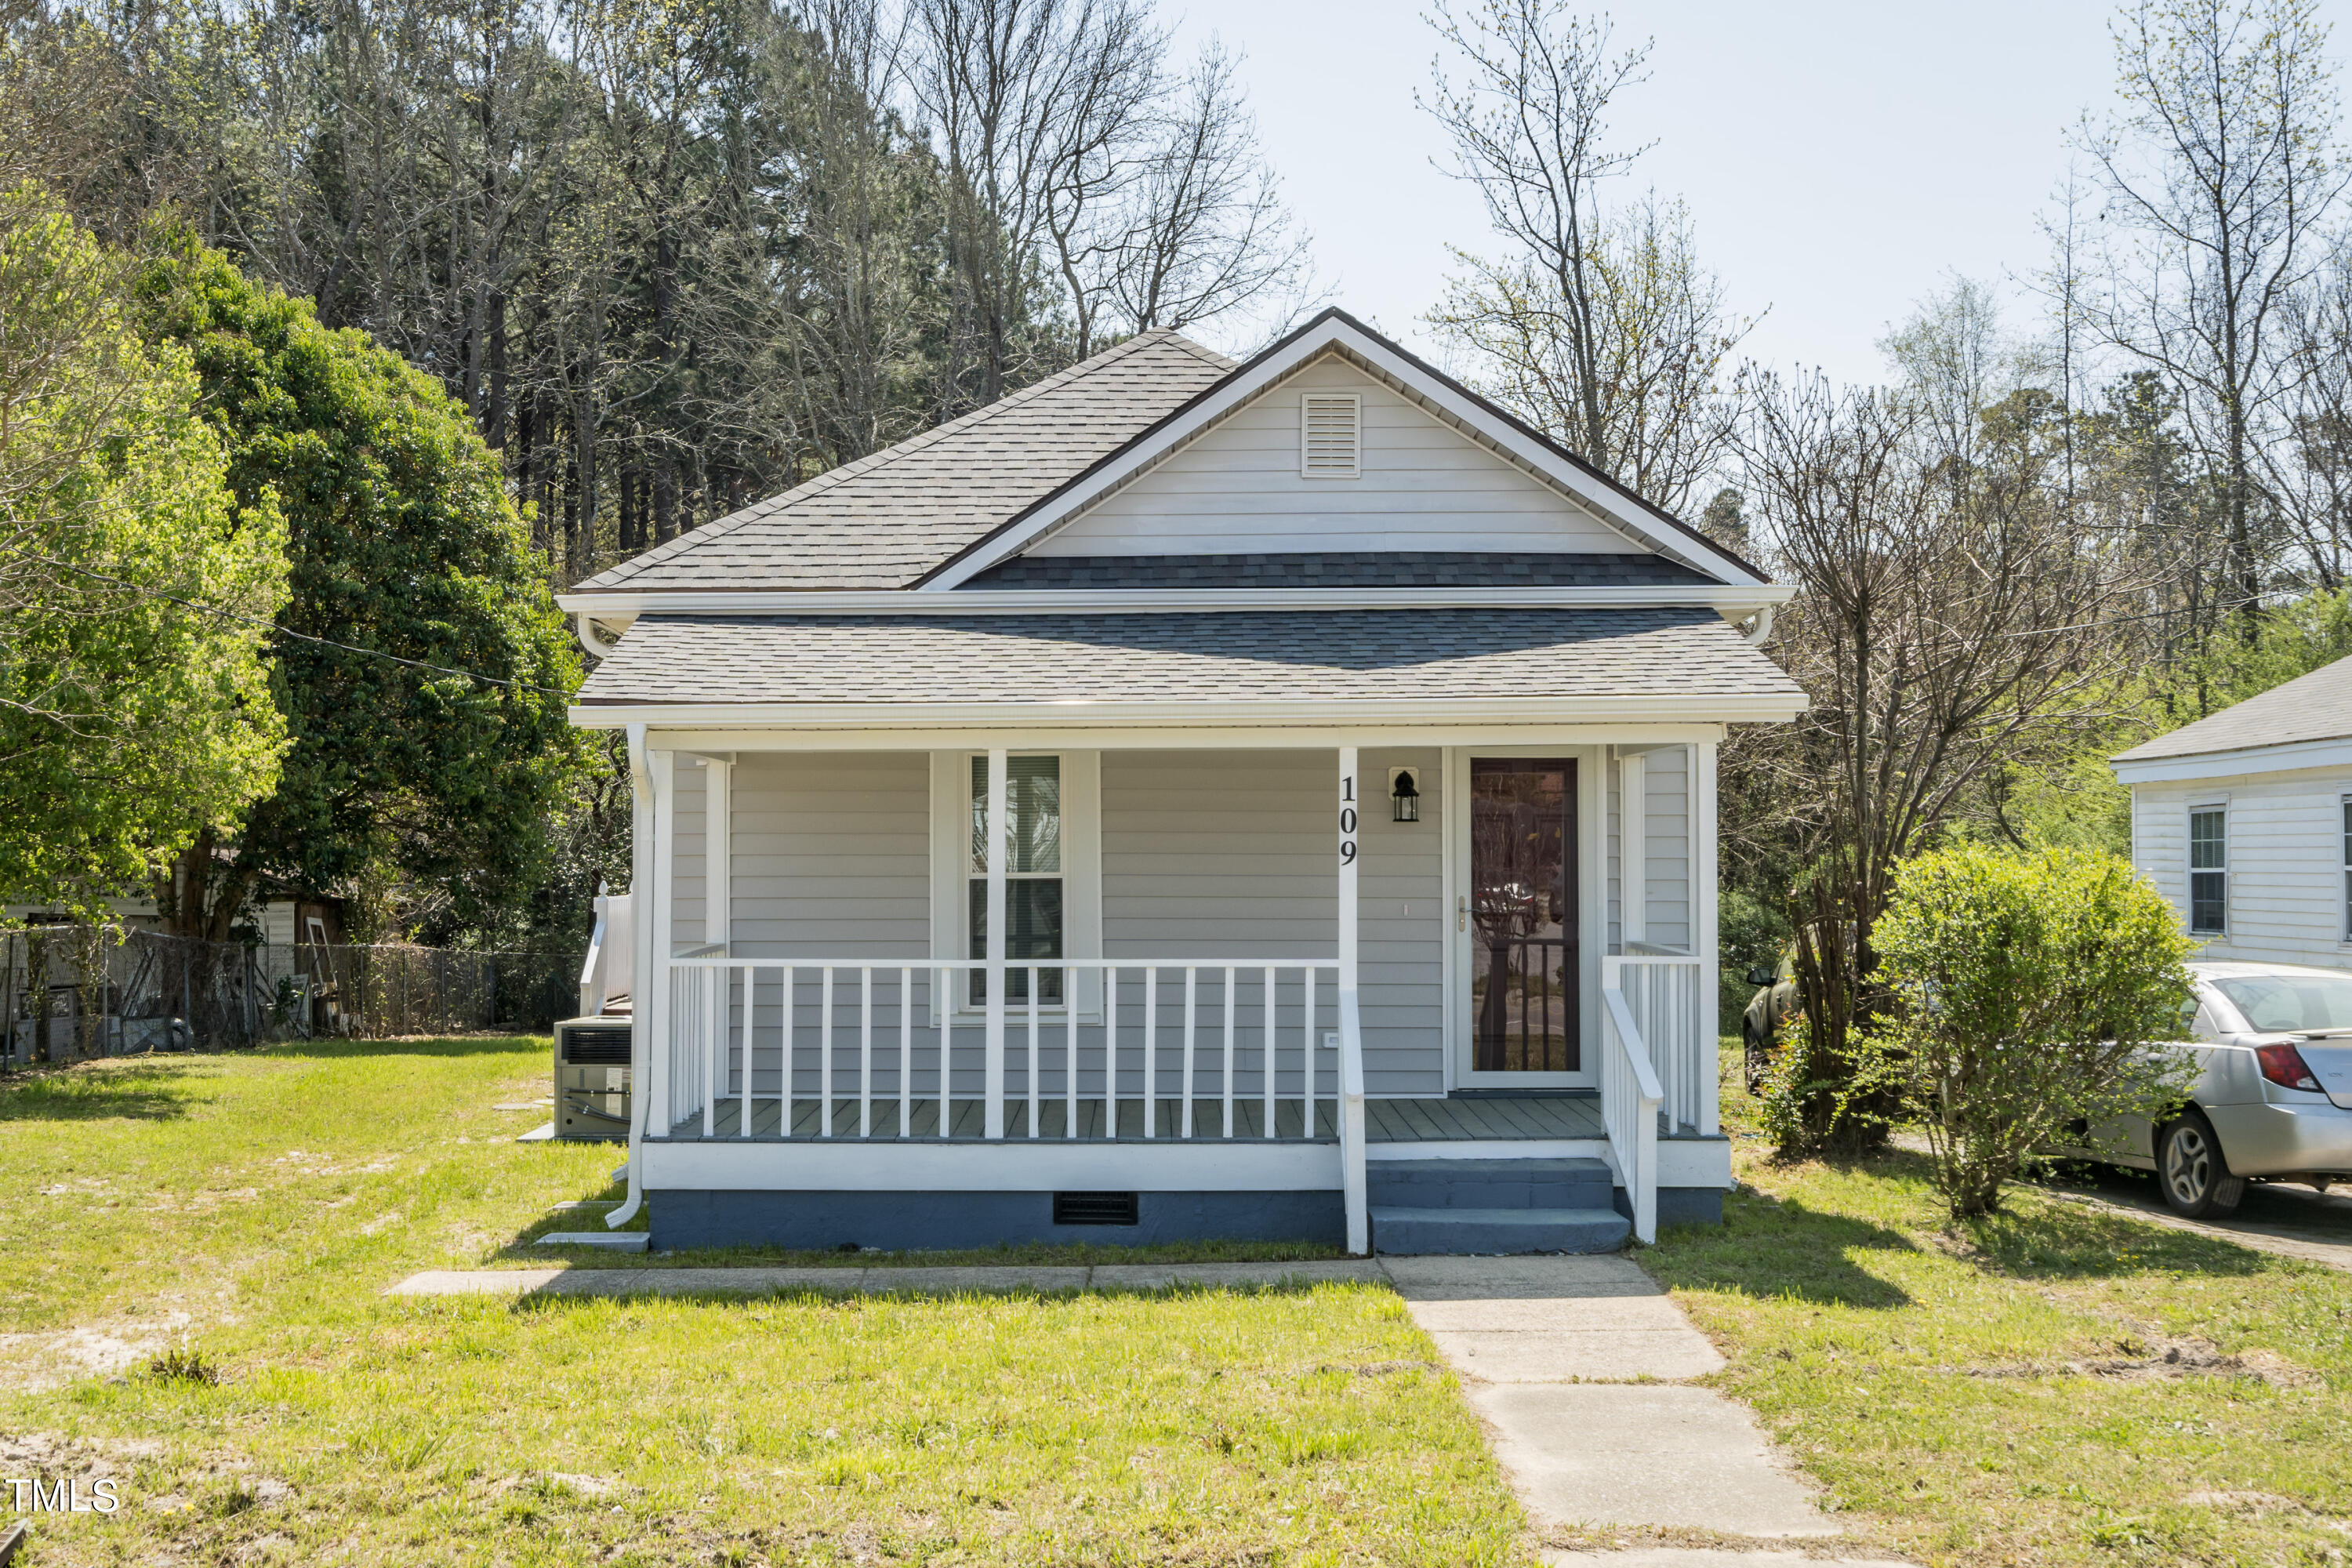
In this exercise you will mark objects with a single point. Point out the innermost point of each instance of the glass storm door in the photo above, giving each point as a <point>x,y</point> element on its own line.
<point>1522,909</point>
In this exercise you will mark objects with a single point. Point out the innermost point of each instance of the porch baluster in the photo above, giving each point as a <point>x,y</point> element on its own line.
<point>905,1051</point>
<point>1265,1051</point>
<point>1189,973</point>
<point>1070,1042</point>
<point>712,1085</point>
<point>1150,1049</point>
<point>1029,1062</point>
<point>1110,1051</point>
<point>751,983</point>
<point>1225,1060</point>
<point>1306,1051</point>
<point>789,1032</point>
<point>866,1051</point>
<point>825,1053</point>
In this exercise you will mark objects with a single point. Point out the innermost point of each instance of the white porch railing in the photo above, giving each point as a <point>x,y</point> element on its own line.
<point>1187,1049</point>
<point>1629,1096</point>
<point>1657,1062</point>
<point>1665,994</point>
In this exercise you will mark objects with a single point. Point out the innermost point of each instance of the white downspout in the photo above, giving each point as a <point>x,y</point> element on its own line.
<point>644,975</point>
<point>596,646</point>
<point>1755,634</point>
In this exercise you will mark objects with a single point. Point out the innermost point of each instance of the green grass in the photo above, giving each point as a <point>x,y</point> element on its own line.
<point>1925,1373</point>
<point>249,1210</point>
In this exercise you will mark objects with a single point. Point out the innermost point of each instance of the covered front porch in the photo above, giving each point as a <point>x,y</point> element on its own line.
<point>915,987</point>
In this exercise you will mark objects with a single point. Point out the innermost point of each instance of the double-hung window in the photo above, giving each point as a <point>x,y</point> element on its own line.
<point>1034,904</point>
<point>2209,869</point>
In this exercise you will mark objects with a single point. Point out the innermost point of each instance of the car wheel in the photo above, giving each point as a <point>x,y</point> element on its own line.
<point>2191,1171</point>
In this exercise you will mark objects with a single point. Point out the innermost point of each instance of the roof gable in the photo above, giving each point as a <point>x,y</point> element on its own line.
<point>1420,486</point>
<point>884,521</point>
<point>1589,494</point>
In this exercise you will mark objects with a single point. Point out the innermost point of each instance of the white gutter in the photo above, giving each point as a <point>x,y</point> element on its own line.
<point>1695,707</point>
<point>641,932</point>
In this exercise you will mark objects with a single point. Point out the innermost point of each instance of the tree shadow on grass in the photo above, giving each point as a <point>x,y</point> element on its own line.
<point>142,1090</point>
<point>2050,1240</point>
<point>1777,1248</point>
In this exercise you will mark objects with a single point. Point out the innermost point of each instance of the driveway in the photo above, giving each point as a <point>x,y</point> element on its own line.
<point>2290,1221</point>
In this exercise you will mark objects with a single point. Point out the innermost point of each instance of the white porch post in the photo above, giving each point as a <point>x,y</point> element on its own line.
<point>998,838</point>
<point>1703,934</point>
<point>1633,850</point>
<point>645,871</point>
<point>719,849</point>
<point>1351,1057</point>
<point>654,1006</point>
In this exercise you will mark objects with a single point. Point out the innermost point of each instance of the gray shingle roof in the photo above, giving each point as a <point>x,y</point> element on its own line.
<point>882,522</point>
<point>2314,707</point>
<point>1358,569</point>
<point>1234,657</point>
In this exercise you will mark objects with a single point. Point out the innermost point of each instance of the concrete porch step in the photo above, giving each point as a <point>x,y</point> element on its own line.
<point>1507,1183</point>
<point>1463,1230</point>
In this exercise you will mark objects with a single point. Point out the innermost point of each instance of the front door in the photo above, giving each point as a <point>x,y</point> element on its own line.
<point>1521,910</point>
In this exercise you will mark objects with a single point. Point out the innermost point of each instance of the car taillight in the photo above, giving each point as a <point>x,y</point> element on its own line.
<point>2285,1066</point>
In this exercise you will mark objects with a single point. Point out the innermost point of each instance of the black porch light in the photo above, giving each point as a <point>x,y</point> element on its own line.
<point>1404,797</point>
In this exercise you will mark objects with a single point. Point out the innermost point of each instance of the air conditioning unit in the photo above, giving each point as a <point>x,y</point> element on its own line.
<point>592,1078</point>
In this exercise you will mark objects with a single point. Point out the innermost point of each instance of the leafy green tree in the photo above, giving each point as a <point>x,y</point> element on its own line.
<point>421,666</point>
<point>134,597</point>
<point>2026,988</point>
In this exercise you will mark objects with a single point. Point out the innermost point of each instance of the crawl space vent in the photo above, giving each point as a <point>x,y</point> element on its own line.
<point>1330,435</point>
<point>1094,1209</point>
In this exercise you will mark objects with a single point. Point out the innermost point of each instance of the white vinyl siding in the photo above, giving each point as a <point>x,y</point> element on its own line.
<point>1666,826</point>
<point>1239,489</point>
<point>832,856</point>
<point>2287,880</point>
<point>1230,854</point>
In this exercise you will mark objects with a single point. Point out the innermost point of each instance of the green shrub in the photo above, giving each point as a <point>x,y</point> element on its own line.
<point>2027,988</point>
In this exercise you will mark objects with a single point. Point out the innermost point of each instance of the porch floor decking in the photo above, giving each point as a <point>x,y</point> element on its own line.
<point>1483,1119</point>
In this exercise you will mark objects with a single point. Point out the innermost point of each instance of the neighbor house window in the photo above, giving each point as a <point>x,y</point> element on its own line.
<point>2209,869</point>
<point>1033,904</point>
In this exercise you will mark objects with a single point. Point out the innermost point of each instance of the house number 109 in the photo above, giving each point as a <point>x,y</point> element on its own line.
<point>1347,820</point>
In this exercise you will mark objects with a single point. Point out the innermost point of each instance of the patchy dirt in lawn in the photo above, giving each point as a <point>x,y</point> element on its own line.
<point>35,1361</point>
<point>2166,1361</point>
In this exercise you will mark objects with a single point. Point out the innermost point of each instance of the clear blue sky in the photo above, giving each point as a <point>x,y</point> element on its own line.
<point>1839,159</point>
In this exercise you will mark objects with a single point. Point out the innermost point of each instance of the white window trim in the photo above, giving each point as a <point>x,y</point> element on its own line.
<point>2344,880</point>
<point>2190,871</point>
<point>1081,869</point>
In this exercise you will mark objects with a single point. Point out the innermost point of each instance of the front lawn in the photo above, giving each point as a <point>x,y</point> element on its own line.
<point>251,1209</point>
<point>2056,1385</point>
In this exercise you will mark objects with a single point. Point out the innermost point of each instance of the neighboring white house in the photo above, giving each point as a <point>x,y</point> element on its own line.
<point>2244,820</point>
<point>1272,799</point>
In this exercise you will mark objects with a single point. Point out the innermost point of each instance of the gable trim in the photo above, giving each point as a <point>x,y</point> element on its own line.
<point>1334,330</point>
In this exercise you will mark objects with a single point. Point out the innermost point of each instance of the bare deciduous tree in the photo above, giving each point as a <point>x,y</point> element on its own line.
<point>1605,328</point>
<point>2221,171</point>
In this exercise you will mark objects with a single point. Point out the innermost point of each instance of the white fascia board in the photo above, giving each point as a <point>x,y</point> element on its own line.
<point>1289,714</point>
<point>2329,753</point>
<point>1012,1165</point>
<point>1638,521</point>
<point>1288,737</point>
<point>614,607</point>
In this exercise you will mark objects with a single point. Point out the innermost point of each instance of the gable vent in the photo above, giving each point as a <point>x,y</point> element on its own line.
<point>1330,435</point>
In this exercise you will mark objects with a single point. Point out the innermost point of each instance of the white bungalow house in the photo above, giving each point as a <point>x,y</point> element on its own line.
<point>2244,820</point>
<point>1190,798</point>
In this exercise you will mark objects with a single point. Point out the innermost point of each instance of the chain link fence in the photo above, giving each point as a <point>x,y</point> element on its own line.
<point>72,992</point>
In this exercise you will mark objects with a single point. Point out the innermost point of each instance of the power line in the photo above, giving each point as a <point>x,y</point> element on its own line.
<point>306,636</point>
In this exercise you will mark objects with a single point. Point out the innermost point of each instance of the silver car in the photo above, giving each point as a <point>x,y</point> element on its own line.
<point>2273,1097</point>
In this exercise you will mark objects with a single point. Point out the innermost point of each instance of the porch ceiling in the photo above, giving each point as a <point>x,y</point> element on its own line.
<point>1177,661</point>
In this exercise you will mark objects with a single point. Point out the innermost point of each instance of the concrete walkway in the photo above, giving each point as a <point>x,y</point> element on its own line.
<point>1578,1365</point>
